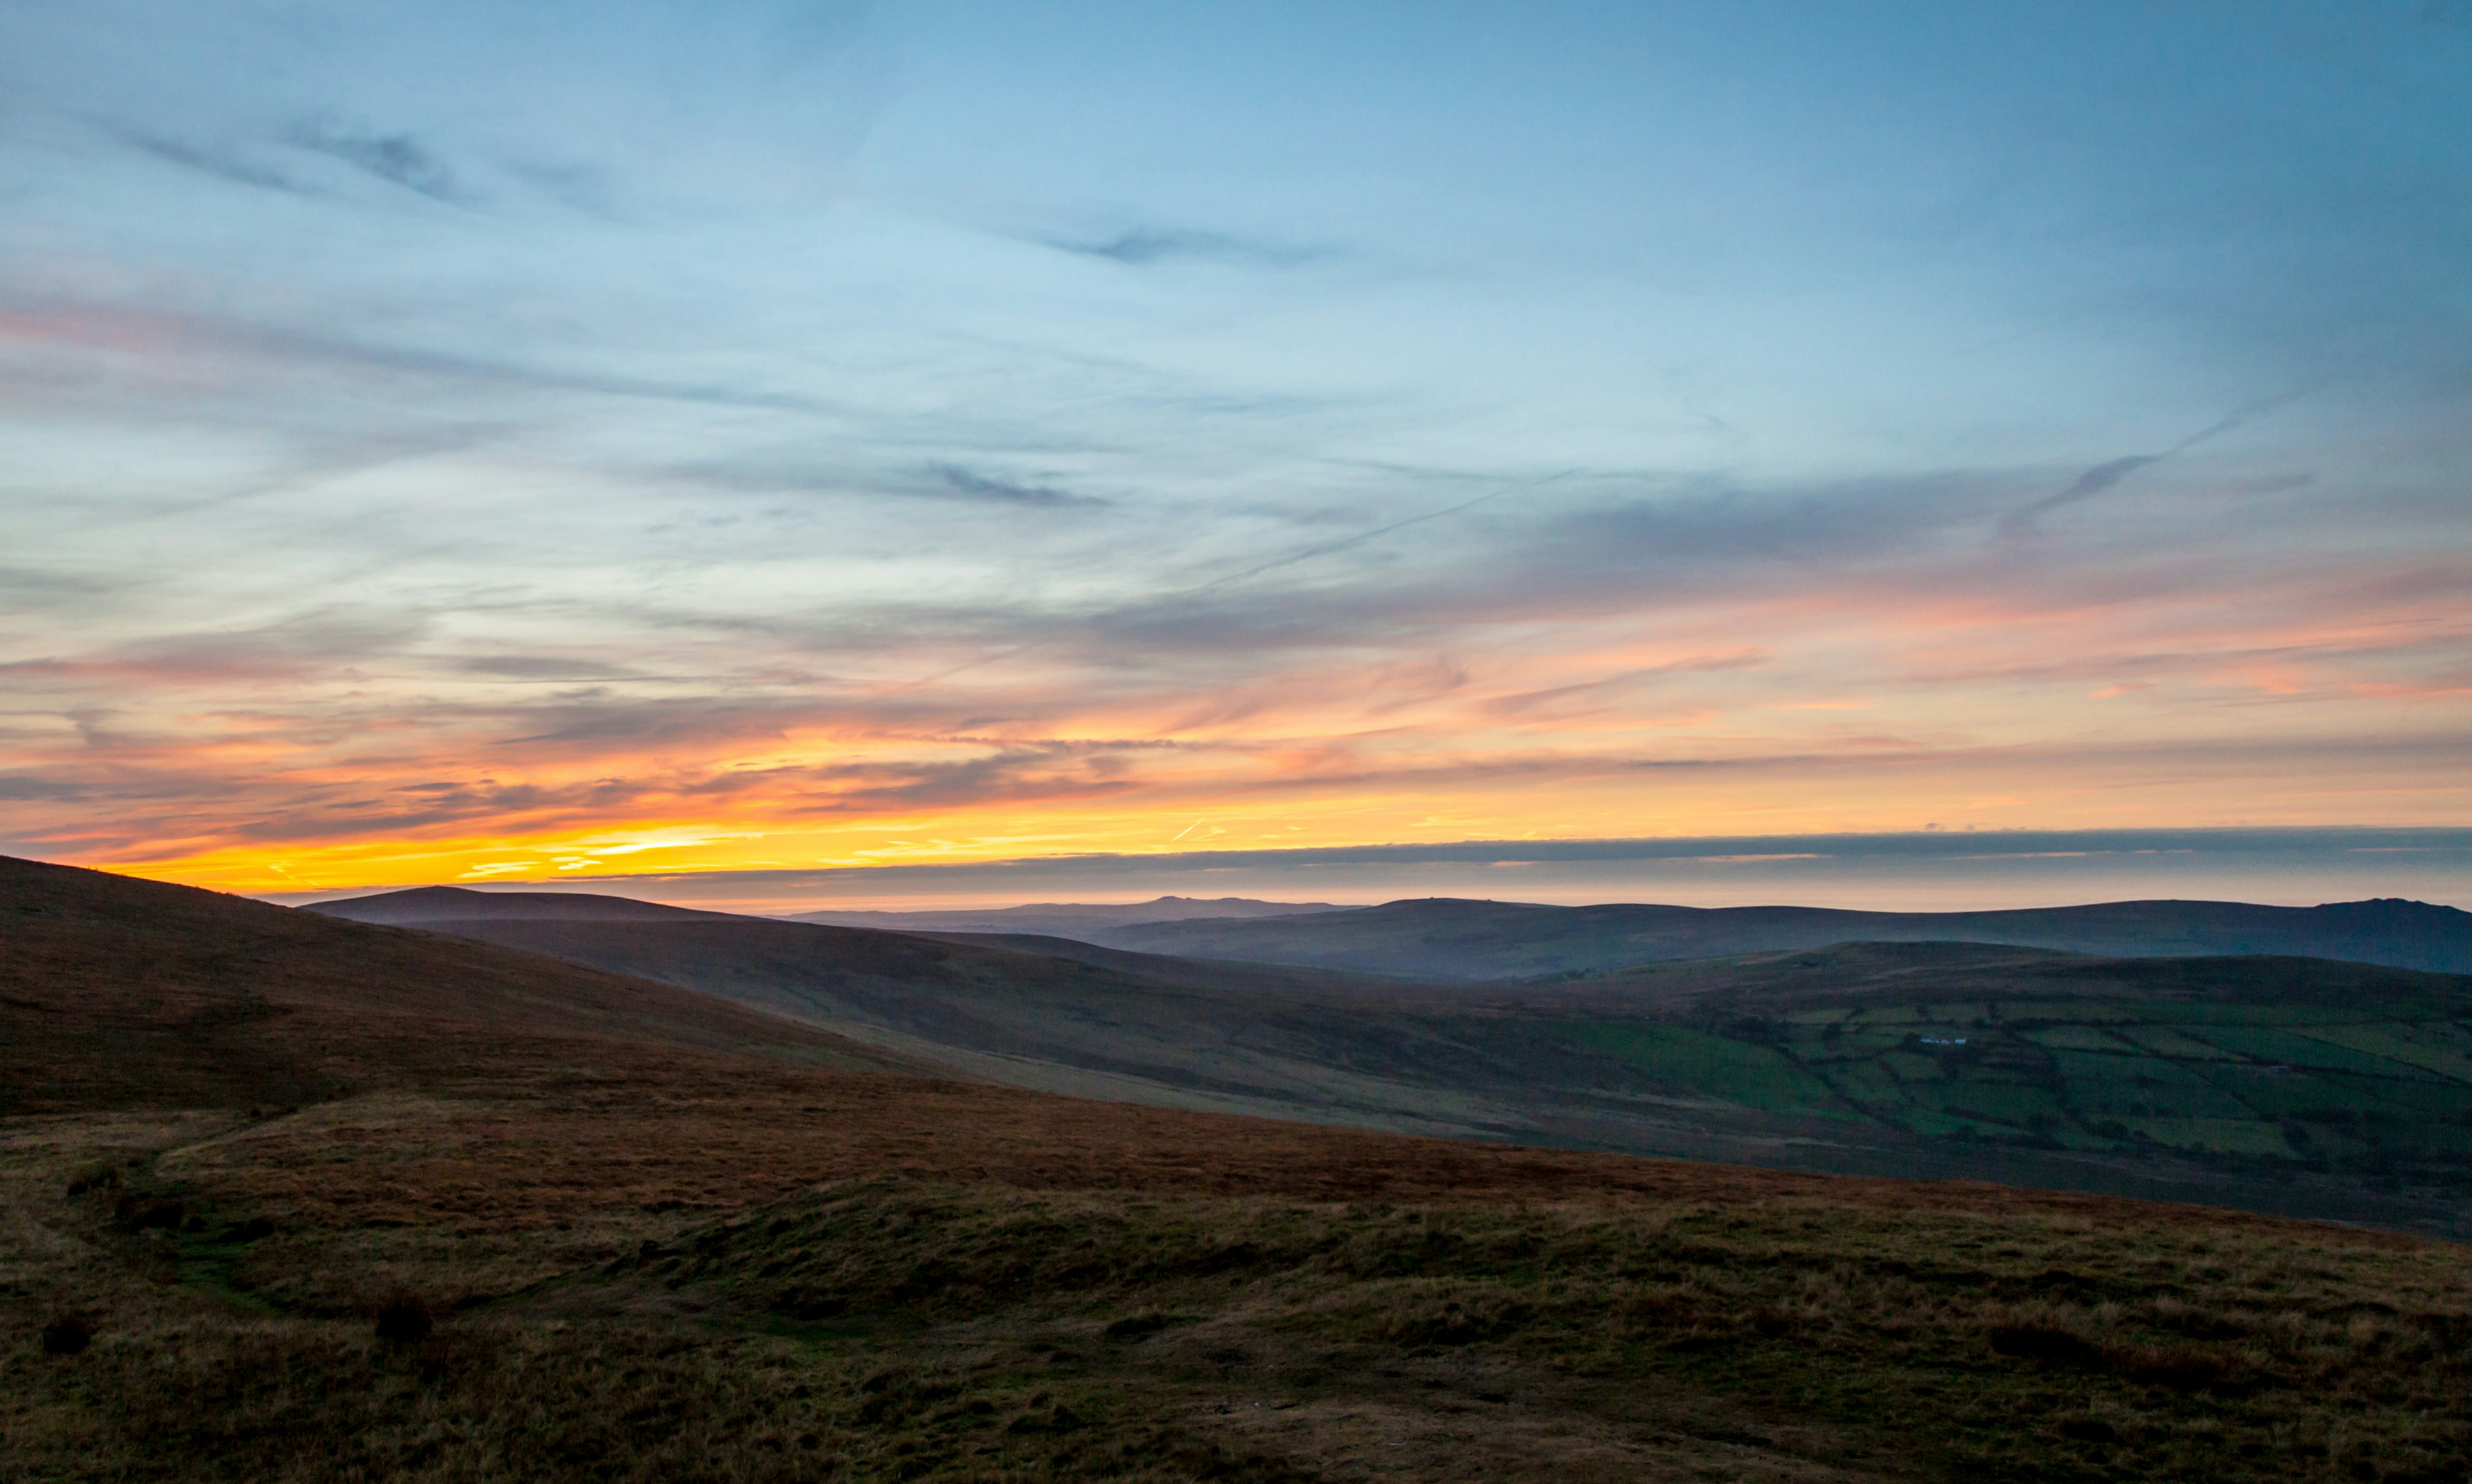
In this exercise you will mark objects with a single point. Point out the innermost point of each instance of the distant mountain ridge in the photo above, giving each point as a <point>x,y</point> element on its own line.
<point>1066,919</point>
<point>1455,940</point>
<point>1445,938</point>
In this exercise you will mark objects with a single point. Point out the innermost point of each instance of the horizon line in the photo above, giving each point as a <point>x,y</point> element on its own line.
<point>1741,858</point>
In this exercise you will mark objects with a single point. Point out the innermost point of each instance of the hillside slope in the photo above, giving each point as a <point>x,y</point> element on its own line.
<point>1233,1038</point>
<point>1444,938</point>
<point>2209,1079</point>
<point>120,992</point>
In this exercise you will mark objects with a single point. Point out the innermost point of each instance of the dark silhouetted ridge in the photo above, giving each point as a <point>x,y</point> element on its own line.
<point>120,992</point>
<point>423,905</point>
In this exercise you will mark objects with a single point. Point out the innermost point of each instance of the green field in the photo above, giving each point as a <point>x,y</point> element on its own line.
<point>1733,1072</point>
<point>2305,1067</point>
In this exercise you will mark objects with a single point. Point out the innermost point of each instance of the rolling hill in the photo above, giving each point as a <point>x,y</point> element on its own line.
<point>119,992</point>
<point>2282,1084</point>
<point>1446,939</point>
<point>424,905</point>
<point>1067,919</point>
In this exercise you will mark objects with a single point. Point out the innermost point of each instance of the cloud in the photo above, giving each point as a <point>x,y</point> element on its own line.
<point>1013,775</point>
<point>964,482</point>
<point>26,790</point>
<point>399,157</point>
<point>546,667</point>
<point>174,334</point>
<point>30,586</point>
<point>1611,687</point>
<point>1144,247</point>
<point>2108,475</point>
<point>2092,483</point>
<point>294,648</point>
<point>799,474</point>
<point>223,164</point>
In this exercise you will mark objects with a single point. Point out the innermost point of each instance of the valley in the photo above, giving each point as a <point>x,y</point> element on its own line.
<point>2301,1086</point>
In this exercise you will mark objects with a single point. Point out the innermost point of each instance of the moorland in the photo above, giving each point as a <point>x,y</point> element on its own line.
<point>2301,1086</point>
<point>1450,940</point>
<point>651,1233</point>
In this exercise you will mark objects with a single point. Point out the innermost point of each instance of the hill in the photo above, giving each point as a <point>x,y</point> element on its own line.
<point>424,905</point>
<point>1234,1038</point>
<point>116,992</point>
<point>1446,939</point>
<point>2307,1085</point>
<point>635,1250</point>
<point>1067,919</point>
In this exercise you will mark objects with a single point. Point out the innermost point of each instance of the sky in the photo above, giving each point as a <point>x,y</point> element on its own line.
<point>827,444</point>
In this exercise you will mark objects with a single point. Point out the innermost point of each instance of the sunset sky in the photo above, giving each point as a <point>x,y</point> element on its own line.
<point>511,441</point>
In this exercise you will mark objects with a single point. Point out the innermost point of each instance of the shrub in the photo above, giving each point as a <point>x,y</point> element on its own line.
<point>67,1335</point>
<point>404,1320</point>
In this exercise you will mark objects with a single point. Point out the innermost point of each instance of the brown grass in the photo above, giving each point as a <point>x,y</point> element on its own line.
<point>122,993</point>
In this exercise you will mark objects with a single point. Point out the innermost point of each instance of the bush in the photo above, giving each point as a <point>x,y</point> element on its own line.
<point>67,1335</point>
<point>404,1320</point>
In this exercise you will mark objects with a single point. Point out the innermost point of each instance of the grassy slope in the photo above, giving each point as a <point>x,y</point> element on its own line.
<point>1177,1324</point>
<point>2312,1087</point>
<point>117,992</point>
<point>665,1262</point>
<point>1469,941</point>
<point>1229,1038</point>
<point>2302,1063</point>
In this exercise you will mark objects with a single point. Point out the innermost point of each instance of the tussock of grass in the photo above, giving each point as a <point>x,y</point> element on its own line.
<point>403,1319</point>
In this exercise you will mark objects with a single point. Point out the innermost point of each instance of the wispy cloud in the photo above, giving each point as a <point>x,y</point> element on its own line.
<point>399,157</point>
<point>2109,474</point>
<point>290,648</point>
<point>969,482</point>
<point>1143,246</point>
<point>222,164</point>
<point>175,335</point>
